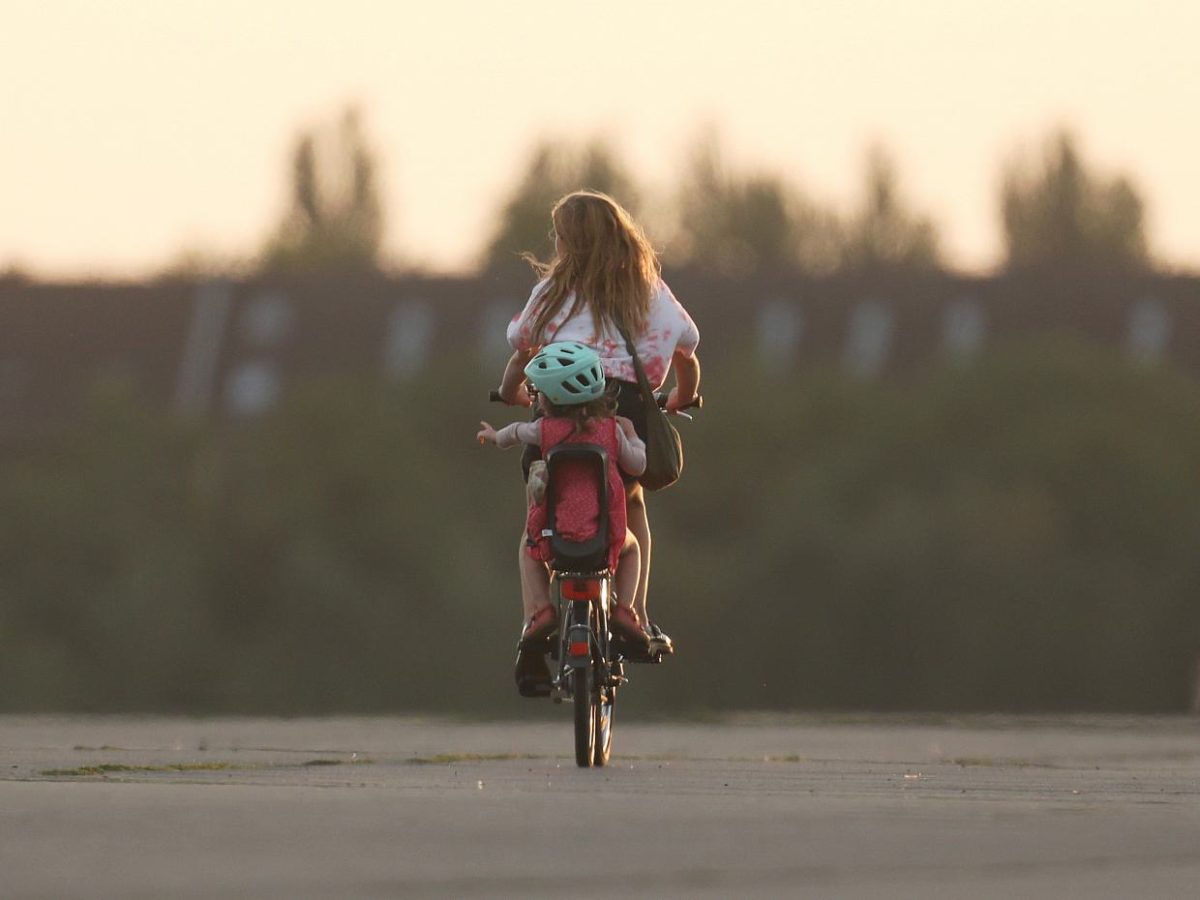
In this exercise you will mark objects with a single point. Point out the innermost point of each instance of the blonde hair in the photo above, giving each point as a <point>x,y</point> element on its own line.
<point>583,414</point>
<point>605,258</point>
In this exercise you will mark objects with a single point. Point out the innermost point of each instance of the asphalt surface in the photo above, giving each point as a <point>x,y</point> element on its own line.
<point>743,807</point>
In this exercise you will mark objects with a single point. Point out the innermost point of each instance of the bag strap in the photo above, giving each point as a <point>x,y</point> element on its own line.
<point>643,381</point>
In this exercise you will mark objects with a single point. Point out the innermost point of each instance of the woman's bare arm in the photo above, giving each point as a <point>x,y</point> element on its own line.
<point>687,380</point>
<point>512,382</point>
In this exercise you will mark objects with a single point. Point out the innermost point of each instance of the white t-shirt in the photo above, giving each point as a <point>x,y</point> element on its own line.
<point>669,329</point>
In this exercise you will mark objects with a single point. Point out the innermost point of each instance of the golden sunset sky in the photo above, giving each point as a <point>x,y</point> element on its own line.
<point>132,130</point>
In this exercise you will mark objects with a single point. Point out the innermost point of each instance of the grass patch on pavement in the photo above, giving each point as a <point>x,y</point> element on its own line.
<point>992,762</point>
<point>121,768</point>
<point>103,769</point>
<point>442,759</point>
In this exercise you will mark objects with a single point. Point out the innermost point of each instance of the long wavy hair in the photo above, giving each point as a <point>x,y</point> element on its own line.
<point>604,257</point>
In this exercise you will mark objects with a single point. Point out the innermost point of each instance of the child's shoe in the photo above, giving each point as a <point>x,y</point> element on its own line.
<point>627,626</point>
<point>540,626</point>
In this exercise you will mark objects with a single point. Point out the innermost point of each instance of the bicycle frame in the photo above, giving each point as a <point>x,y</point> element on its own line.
<point>588,670</point>
<point>581,584</point>
<point>583,600</point>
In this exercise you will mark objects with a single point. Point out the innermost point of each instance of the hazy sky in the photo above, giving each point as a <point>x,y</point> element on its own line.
<point>132,129</point>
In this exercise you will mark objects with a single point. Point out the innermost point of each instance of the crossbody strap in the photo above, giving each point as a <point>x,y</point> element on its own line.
<point>643,381</point>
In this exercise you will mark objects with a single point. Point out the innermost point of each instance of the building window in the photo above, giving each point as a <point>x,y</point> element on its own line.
<point>493,347</point>
<point>1149,330</point>
<point>252,389</point>
<point>409,334</point>
<point>869,339</point>
<point>964,328</point>
<point>780,327</point>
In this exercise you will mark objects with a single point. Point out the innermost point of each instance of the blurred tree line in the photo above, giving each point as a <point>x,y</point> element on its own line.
<point>1056,212</point>
<point>1016,534</point>
<point>335,217</point>
<point>1053,209</point>
<point>732,222</point>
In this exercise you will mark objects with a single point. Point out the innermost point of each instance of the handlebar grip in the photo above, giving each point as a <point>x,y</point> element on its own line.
<point>661,398</point>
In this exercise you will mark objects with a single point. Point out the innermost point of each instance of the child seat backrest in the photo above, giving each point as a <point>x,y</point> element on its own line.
<point>577,461</point>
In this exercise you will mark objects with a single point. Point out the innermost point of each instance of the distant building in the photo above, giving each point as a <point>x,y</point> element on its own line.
<point>231,349</point>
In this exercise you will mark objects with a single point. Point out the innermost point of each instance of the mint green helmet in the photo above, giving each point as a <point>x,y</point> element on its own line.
<point>567,372</point>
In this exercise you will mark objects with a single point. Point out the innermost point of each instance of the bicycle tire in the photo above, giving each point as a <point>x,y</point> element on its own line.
<point>606,702</point>
<point>583,683</point>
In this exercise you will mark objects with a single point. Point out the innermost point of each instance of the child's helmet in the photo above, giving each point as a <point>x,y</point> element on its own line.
<point>567,372</point>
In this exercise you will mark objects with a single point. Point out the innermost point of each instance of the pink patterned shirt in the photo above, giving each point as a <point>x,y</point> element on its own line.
<point>669,329</point>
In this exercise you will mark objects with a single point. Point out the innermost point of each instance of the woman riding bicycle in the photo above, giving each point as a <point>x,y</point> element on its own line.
<point>605,277</point>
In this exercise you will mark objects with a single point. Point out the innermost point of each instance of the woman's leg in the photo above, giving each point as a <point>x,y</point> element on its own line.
<point>535,581</point>
<point>531,674</point>
<point>635,512</point>
<point>628,571</point>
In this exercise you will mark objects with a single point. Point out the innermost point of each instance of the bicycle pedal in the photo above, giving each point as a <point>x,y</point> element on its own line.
<point>639,655</point>
<point>630,650</point>
<point>530,684</point>
<point>537,645</point>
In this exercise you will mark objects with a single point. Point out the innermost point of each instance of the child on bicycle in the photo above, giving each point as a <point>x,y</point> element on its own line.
<point>576,408</point>
<point>605,277</point>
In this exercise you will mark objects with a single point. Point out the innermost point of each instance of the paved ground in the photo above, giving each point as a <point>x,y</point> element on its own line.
<point>867,807</point>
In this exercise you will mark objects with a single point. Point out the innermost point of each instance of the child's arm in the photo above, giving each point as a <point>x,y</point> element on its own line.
<point>510,435</point>
<point>512,383</point>
<point>631,456</point>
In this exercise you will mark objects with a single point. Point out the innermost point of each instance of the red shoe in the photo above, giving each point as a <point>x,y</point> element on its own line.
<point>540,626</point>
<point>627,624</point>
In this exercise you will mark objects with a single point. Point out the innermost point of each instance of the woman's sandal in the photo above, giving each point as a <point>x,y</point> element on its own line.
<point>660,642</point>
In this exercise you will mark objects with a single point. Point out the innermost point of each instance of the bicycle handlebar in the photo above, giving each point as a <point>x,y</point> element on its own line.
<point>660,398</point>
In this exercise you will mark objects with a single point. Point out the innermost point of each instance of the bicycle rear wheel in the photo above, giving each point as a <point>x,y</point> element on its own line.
<point>586,714</point>
<point>606,702</point>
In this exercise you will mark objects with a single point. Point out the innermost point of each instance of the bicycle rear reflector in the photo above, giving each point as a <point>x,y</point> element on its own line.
<point>581,588</point>
<point>579,648</point>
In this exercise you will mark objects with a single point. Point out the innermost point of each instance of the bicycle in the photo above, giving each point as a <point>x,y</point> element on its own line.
<point>591,658</point>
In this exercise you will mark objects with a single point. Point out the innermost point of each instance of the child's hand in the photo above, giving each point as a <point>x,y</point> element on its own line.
<point>487,434</point>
